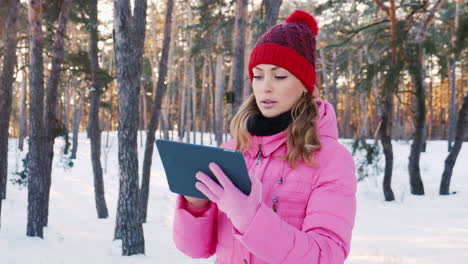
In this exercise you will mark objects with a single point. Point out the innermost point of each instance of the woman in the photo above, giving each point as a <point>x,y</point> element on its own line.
<point>302,205</point>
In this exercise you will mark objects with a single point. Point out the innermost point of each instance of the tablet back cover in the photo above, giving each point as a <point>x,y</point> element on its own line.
<point>182,161</point>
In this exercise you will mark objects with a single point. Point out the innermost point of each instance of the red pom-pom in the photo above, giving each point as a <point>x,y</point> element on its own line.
<point>299,16</point>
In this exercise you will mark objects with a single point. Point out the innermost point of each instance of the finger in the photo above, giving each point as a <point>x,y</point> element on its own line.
<point>206,191</point>
<point>212,185</point>
<point>220,175</point>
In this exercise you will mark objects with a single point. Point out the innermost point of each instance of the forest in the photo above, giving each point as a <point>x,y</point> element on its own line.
<point>395,71</point>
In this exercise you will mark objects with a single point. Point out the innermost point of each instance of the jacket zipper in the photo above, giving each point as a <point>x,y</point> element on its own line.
<point>259,156</point>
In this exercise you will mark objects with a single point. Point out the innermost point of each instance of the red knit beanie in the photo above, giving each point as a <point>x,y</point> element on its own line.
<point>290,45</point>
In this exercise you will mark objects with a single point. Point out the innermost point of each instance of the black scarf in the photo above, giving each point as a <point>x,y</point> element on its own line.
<point>259,125</point>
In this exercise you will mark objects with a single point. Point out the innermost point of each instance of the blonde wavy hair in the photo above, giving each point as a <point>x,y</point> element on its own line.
<point>302,139</point>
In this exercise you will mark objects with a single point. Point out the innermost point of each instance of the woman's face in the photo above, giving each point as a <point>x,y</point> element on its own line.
<point>276,90</point>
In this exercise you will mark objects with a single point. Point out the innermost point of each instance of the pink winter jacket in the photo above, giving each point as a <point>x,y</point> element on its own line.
<point>307,214</point>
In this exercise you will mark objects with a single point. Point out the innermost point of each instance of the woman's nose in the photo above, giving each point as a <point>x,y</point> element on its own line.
<point>267,86</point>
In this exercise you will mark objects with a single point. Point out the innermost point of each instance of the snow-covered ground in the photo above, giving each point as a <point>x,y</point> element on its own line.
<point>413,229</point>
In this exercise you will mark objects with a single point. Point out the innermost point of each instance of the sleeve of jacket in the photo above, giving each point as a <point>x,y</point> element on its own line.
<point>194,232</point>
<point>325,235</point>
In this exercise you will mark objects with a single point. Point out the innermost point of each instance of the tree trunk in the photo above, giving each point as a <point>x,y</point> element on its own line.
<point>415,68</point>
<point>203,101</point>
<point>453,101</point>
<point>53,127</point>
<point>188,78</point>
<point>385,134</point>
<point>453,78</point>
<point>66,114</point>
<point>452,157</point>
<point>23,112</point>
<point>182,108</point>
<point>334,81</point>
<point>6,87</point>
<point>165,106</point>
<point>323,63</point>
<point>161,88</point>
<point>194,102</point>
<point>94,127</point>
<point>144,115</point>
<point>347,104</point>
<point>212,88</point>
<point>390,83</point>
<point>129,39</point>
<point>37,140</point>
<point>77,112</point>
<point>219,96</point>
<point>363,98</point>
<point>238,54</point>
<point>272,8</point>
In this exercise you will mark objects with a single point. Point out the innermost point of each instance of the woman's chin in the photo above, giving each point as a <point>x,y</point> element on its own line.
<point>269,113</point>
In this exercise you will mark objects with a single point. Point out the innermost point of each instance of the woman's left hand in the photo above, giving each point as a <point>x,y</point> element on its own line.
<point>240,208</point>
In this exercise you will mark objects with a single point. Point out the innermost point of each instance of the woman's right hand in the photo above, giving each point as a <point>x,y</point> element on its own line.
<point>196,203</point>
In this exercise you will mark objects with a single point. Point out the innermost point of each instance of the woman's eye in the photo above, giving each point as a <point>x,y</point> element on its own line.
<point>257,77</point>
<point>280,77</point>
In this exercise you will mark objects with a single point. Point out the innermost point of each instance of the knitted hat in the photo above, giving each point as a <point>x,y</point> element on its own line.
<point>290,45</point>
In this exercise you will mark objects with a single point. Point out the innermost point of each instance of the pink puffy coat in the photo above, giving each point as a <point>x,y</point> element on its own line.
<point>307,214</point>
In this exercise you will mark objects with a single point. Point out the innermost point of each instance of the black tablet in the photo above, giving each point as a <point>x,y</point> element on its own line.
<point>182,161</point>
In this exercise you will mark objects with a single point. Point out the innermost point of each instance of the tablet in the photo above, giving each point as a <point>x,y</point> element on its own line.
<point>182,161</point>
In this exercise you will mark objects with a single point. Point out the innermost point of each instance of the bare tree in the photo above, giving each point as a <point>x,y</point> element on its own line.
<point>452,157</point>
<point>387,110</point>
<point>153,125</point>
<point>238,54</point>
<point>128,44</point>
<point>77,112</point>
<point>94,128</point>
<point>453,77</point>
<point>36,180</point>
<point>53,127</point>
<point>203,99</point>
<point>219,94</point>
<point>6,86</point>
<point>23,109</point>
<point>415,60</point>
<point>323,69</point>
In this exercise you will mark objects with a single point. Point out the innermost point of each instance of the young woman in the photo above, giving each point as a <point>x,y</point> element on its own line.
<point>302,205</point>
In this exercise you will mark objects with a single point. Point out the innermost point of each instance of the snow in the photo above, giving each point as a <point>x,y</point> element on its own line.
<point>425,229</point>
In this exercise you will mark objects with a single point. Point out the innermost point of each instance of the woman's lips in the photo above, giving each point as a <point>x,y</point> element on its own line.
<point>268,103</point>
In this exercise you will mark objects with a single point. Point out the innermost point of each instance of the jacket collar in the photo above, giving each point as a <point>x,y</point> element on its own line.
<point>268,143</point>
<point>326,125</point>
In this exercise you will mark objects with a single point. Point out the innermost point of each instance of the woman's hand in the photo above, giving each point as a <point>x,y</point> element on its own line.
<point>240,208</point>
<point>196,203</point>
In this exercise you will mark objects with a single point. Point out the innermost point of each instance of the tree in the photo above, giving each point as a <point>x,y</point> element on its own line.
<point>390,83</point>
<point>6,86</point>
<point>77,112</point>
<point>36,179</point>
<point>161,88</point>
<point>95,130</point>
<point>452,157</point>
<point>23,109</point>
<point>452,61</point>
<point>238,54</point>
<point>415,60</point>
<point>128,48</point>
<point>270,16</point>
<point>219,95</point>
<point>53,126</point>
